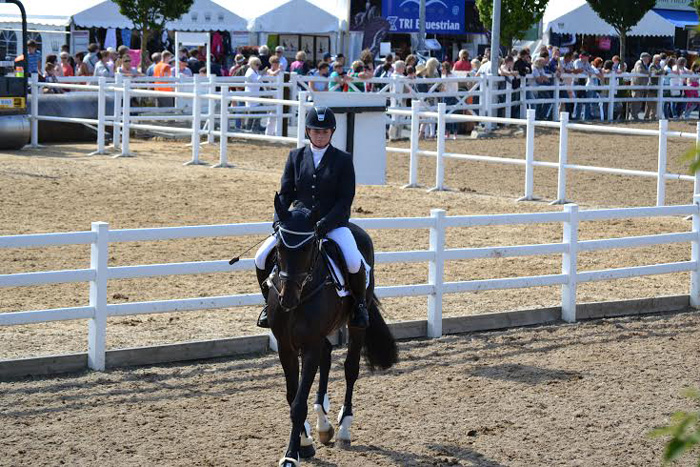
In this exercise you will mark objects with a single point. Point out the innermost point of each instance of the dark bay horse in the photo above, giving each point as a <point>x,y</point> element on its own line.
<point>304,308</point>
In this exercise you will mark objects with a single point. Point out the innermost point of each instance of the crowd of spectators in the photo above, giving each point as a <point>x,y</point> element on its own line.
<point>592,77</point>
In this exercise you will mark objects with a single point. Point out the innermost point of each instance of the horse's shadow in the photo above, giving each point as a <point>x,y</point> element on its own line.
<point>445,454</point>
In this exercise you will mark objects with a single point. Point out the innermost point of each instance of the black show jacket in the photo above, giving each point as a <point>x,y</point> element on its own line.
<point>330,188</point>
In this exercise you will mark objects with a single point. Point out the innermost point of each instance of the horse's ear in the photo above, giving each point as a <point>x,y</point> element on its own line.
<point>282,213</point>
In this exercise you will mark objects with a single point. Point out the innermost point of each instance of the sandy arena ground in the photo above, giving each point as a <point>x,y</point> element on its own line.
<point>562,395</point>
<point>566,395</point>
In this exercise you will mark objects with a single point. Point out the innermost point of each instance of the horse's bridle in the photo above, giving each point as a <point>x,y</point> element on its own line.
<point>301,278</point>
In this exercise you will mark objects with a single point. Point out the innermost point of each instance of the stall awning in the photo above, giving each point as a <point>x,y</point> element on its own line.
<point>679,18</point>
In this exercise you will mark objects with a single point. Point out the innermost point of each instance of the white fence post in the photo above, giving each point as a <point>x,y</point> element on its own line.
<point>563,158</point>
<point>415,126</point>
<point>116,129</point>
<point>696,187</point>
<point>661,178</point>
<point>301,120</point>
<point>101,109</point>
<point>436,272</point>
<point>126,118</point>
<point>569,264</point>
<point>509,99</point>
<point>196,122</point>
<point>440,160</point>
<point>485,95</point>
<point>35,110</point>
<point>611,97</point>
<point>223,129</point>
<point>695,256</point>
<point>555,109</point>
<point>280,108</point>
<point>660,99</point>
<point>529,156</point>
<point>97,325</point>
<point>211,107</point>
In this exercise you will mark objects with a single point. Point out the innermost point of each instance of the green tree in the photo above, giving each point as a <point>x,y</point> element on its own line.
<point>684,432</point>
<point>151,15</point>
<point>696,4</point>
<point>622,15</point>
<point>517,16</point>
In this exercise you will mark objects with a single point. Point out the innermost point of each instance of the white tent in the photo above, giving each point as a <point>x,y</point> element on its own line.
<point>205,15</point>
<point>287,16</point>
<point>46,13</point>
<point>577,17</point>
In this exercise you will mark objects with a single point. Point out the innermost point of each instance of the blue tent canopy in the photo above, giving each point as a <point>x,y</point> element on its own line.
<point>681,19</point>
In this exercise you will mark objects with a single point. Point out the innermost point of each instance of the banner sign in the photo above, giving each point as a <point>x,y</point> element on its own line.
<point>441,16</point>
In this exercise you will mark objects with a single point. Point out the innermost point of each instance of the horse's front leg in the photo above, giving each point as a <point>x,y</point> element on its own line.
<point>322,405</point>
<point>299,408</point>
<point>352,371</point>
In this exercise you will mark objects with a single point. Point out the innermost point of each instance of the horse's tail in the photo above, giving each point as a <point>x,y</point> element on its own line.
<point>380,346</point>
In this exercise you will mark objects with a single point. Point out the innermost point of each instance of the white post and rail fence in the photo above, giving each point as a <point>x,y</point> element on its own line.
<point>98,309</point>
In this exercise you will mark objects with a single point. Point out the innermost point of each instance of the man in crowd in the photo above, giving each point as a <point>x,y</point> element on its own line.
<point>155,60</point>
<point>101,67</point>
<point>640,68</point>
<point>33,58</point>
<point>279,51</point>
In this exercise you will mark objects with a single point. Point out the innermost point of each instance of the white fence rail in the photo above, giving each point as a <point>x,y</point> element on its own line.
<point>99,273</point>
<point>529,162</point>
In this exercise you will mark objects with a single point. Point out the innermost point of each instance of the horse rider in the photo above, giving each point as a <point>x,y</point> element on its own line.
<point>323,178</point>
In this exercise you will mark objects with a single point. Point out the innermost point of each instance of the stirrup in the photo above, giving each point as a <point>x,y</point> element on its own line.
<point>360,317</point>
<point>262,319</point>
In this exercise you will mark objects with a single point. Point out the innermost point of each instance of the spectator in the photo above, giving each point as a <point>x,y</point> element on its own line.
<point>451,88</point>
<point>112,58</point>
<point>681,69</point>
<point>411,60</point>
<point>387,67</point>
<point>475,64</point>
<point>274,70</point>
<point>239,66</point>
<point>66,67</point>
<point>81,68</point>
<point>71,60</point>
<point>692,93</point>
<point>33,58</point>
<point>485,68</point>
<point>92,58</point>
<point>125,69</point>
<point>463,66</point>
<point>568,68</point>
<point>641,68</point>
<point>53,59</point>
<point>340,59</point>
<point>164,70</point>
<point>513,77</point>
<point>655,71</point>
<point>185,70</point>
<point>429,71</point>
<point>155,58</point>
<point>593,81</point>
<point>101,68</point>
<point>542,78</point>
<point>398,87</point>
<point>411,72</point>
<point>323,71</point>
<point>299,66</point>
<point>279,53</point>
<point>583,63</point>
<point>358,75</point>
<point>252,78</point>
<point>264,55</point>
<point>50,77</point>
<point>338,77</point>
<point>670,79</point>
<point>618,66</point>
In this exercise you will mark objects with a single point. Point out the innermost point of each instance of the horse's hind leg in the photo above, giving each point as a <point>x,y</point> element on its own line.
<point>322,405</point>
<point>299,408</point>
<point>352,371</point>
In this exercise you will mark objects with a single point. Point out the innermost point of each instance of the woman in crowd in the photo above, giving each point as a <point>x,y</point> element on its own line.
<point>670,79</point>
<point>680,69</point>
<point>252,78</point>
<point>81,68</point>
<point>463,65</point>
<point>299,66</point>
<point>693,82</point>
<point>274,70</point>
<point>542,78</point>
<point>449,87</point>
<point>358,75</point>
<point>429,71</point>
<point>594,79</point>
<point>66,68</point>
<point>125,69</point>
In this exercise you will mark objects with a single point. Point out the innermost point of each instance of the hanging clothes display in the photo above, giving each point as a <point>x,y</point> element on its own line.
<point>111,39</point>
<point>126,37</point>
<point>217,45</point>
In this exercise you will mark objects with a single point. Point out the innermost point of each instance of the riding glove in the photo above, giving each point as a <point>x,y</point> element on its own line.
<point>322,228</point>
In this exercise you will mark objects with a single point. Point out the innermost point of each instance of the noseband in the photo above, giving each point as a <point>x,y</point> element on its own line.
<point>298,279</point>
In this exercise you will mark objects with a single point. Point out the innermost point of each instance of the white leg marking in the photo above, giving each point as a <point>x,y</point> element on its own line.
<point>322,423</point>
<point>306,439</point>
<point>344,422</point>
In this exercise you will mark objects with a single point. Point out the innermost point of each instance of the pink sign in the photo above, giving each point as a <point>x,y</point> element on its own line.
<point>604,43</point>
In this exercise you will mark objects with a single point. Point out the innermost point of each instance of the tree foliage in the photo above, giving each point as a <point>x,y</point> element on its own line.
<point>696,4</point>
<point>684,432</point>
<point>622,15</point>
<point>517,16</point>
<point>151,15</point>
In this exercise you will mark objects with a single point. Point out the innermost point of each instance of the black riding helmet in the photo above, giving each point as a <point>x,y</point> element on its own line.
<point>320,118</point>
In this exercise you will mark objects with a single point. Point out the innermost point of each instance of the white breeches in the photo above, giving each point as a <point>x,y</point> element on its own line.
<point>342,236</point>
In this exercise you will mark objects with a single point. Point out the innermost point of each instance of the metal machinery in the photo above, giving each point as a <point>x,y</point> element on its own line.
<point>14,121</point>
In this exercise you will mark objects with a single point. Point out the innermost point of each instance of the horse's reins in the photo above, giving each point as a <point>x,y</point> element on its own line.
<point>236,259</point>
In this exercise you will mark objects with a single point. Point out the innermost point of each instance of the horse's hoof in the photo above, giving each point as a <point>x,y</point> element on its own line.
<point>325,437</point>
<point>342,443</point>
<point>288,462</point>
<point>307,452</point>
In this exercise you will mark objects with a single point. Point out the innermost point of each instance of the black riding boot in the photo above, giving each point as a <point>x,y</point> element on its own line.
<point>360,317</point>
<point>263,274</point>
